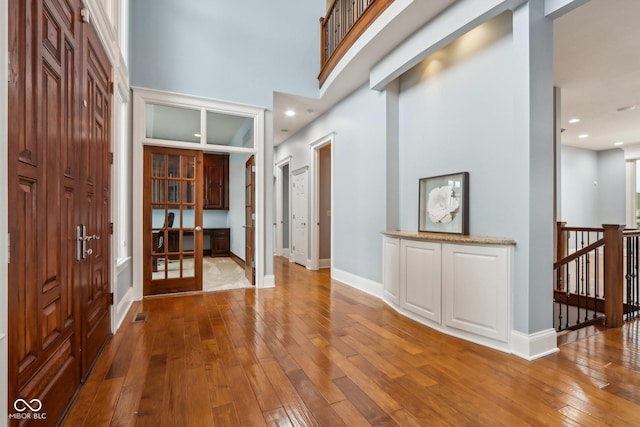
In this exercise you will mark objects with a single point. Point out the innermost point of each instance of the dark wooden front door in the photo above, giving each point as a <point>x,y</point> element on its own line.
<point>58,179</point>
<point>250,210</point>
<point>95,191</point>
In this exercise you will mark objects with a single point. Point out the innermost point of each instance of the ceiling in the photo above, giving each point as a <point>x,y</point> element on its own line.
<point>596,65</point>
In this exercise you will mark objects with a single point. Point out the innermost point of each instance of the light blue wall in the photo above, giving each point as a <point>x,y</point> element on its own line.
<point>473,107</point>
<point>238,51</point>
<point>579,189</point>
<point>611,186</point>
<point>592,187</point>
<point>446,127</point>
<point>359,171</point>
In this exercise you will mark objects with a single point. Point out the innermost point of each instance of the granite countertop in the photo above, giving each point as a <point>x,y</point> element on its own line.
<point>451,238</point>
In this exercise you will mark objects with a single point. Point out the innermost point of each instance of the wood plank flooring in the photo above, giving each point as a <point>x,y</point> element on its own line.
<point>314,352</point>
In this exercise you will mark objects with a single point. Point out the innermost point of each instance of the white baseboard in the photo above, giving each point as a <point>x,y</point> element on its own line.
<point>534,346</point>
<point>284,252</point>
<point>269,281</point>
<point>122,308</point>
<point>361,283</point>
<point>324,263</point>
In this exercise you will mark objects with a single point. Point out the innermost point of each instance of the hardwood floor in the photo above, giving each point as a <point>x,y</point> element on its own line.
<point>314,352</point>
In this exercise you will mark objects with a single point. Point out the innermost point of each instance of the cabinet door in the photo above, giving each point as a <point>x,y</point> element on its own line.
<point>476,282</point>
<point>420,278</point>
<point>216,184</point>
<point>391,269</point>
<point>220,242</point>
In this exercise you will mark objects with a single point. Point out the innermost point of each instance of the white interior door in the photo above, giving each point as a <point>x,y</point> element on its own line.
<point>300,216</point>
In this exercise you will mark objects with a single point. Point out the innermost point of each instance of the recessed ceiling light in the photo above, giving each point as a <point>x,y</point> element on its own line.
<point>627,108</point>
<point>618,143</point>
<point>290,113</point>
<point>583,136</point>
<point>574,120</point>
<point>197,135</point>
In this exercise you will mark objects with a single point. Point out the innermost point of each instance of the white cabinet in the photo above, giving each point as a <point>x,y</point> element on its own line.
<point>391,269</point>
<point>476,286</point>
<point>463,289</point>
<point>420,278</point>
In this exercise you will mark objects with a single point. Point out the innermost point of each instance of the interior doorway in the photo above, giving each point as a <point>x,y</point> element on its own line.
<point>321,198</point>
<point>250,215</point>
<point>227,135</point>
<point>283,208</point>
<point>299,216</point>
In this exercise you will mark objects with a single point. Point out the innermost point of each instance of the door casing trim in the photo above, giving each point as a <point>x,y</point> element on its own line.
<point>314,198</point>
<point>141,96</point>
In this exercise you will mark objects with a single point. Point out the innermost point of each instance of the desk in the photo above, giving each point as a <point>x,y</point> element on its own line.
<point>219,241</point>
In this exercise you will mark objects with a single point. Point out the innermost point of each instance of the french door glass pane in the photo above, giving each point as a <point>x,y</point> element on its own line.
<point>159,165</point>
<point>158,190</point>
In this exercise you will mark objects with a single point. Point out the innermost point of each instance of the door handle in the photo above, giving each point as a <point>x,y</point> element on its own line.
<point>81,242</point>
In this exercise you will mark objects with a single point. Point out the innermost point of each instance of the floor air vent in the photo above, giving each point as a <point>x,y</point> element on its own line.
<point>141,317</point>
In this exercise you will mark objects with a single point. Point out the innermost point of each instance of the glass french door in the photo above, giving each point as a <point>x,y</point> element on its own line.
<point>173,195</point>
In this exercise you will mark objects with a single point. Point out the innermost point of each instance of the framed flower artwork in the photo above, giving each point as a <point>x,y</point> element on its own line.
<point>444,204</point>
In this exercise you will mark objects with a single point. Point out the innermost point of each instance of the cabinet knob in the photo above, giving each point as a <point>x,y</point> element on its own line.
<point>198,228</point>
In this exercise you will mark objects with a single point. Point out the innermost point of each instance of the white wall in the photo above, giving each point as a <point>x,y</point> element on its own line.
<point>359,199</point>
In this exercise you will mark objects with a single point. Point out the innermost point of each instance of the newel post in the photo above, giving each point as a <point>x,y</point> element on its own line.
<point>613,274</point>
<point>561,252</point>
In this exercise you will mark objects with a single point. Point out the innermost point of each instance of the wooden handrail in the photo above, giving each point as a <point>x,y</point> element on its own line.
<point>347,28</point>
<point>612,238</point>
<point>578,254</point>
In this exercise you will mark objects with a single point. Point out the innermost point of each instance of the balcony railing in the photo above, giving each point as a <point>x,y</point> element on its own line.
<point>597,276</point>
<point>345,22</point>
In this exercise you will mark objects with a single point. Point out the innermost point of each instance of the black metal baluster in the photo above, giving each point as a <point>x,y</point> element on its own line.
<point>588,281</point>
<point>559,303</point>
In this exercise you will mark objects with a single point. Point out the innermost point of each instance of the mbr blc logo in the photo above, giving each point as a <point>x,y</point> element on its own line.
<point>22,405</point>
<point>34,406</point>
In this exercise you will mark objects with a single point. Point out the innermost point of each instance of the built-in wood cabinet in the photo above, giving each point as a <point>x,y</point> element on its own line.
<point>459,285</point>
<point>220,241</point>
<point>216,181</point>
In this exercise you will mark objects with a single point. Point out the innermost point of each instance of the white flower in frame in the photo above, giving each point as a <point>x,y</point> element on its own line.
<point>442,204</point>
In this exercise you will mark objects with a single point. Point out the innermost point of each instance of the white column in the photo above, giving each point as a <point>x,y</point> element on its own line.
<point>533,74</point>
<point>630,190</point>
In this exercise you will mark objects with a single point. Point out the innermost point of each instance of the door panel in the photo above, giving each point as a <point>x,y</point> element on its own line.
<point>43,192</point>
<point>250,211</point>
<point>299,217</point>
<point>173,195</point>
<point>56,147</point>
<point>94,212</point>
